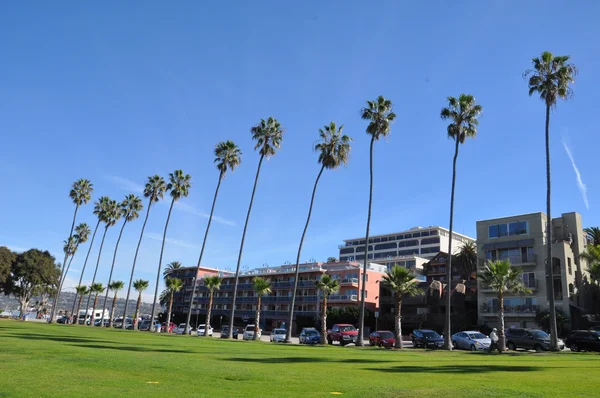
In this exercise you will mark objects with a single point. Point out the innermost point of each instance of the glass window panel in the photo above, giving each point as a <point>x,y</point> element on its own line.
<point>493,231</point>
<point>513,228</point>
<point>502,230</point>
<point>522,228</point>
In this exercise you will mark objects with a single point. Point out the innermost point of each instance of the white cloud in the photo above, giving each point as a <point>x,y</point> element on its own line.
<point>126,184</point>
<point>582,187</point>
<point>176,242</point>
<point>192,210</point>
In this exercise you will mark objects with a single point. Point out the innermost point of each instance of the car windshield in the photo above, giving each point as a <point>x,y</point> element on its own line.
<point>431,335</point>
<point>347,328</point>
<point>541,335</point>
<point>201,326</point>
<point>279,331</point>
<point>386,335</point>
<point>312,333</point>
<point>476,336</point>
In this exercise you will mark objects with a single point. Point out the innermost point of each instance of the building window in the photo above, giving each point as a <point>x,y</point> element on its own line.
<point>432,233</point>
<point>385,246</point>
<point>427,250</point>
<point>425,233</point>
<point>569,265</point>
<point>347,251</point>
<point>408,252</point>
<point>511,229</point>
<point>528,279</point>
<point>430,241</point>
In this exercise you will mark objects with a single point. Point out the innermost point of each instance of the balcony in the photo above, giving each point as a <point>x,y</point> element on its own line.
<point>518,310</point>
<point>518,260</point>
<point>343,297</point>
<point>349,282</point>
<point>531,284</point>
<point>282,285</point>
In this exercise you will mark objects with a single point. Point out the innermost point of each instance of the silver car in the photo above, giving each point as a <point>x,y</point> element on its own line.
<point>278,335</point>
<point>471,340</point>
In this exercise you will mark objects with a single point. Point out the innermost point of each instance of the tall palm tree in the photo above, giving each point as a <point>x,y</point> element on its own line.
<point>96,288</point>
<point>109,215</point>
<point>139,286</point>
<point>82,233</point>
<point>115,286</point>
<point>173,286</point>
<point>551,78</point>
<point>327,286</point>
<point>80,194</point>
<point>592,256</point>
<point>81,291</point>
<point>593,234</point>
<point>212,283</point>
<point>154,190</point>
<point>334,151</point>
<point>129,209</point>
<point>402,282</point>
<point>173,265</point>
<point>380,115</point>
<point>261,287</point>
<point>463,113</point>
<point>501,277</point>
<point>179,187</point>
<point>466,260</point>
<point>227,157</point>
<point>268,135</point>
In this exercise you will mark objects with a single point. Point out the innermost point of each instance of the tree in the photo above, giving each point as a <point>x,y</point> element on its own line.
<point>81,291</point>
<point>268,135</point>
<point>115,286</point>
<point>80,194</point>
<point>129,209</point>
<point>96,288</point>
<point>173,286</point>
<point>551,78</point>
<point>172,266</point>
<point>334,151</point>
<point>327,286</point>
<point>154,190</point>
<point>502,278</point>
<point>139,286</point>
<point>109,215</point>
<point>593,235</point>
<point>7,257</point>
<point>261,287</point>
<point>227,157</point>
<point>212,283</point>
<point>179,187</point>
<point>82,233</point>
<point>592,256</point>
<point>542,318</point>
<point>402,283</point>
<point>380,115</point>
<point>332,259</point>
<point>466,260</point>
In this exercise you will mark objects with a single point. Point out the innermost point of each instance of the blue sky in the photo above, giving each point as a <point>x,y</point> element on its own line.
<point>117,91</point>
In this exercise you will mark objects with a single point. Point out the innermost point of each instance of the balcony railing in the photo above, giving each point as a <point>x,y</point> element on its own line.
<point>343,297</point>
<point>349,281</point>
<point>513,309</point>
<point>519,259</point>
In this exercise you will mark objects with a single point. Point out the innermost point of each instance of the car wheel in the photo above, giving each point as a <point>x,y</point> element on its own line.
<point>415,345</point>
<point>454,345</point>
<point>511,346</point>
<point>329,341</point>
<point>574,347</point>
<point>473,348</point>
<point>371,343</point>
<point>342,343</point>
<point>538,348</point>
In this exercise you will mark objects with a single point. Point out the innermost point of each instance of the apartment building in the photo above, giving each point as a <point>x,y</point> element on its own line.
<point>521,239</point>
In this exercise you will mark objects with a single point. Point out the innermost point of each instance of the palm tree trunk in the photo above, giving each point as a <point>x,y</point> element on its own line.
<point>62,274</point>
<point>549,270</point>
<point>162,249</point>
<point>94,311</point>
<point>288,337</point>
<point>361,319</point>
<point>324,320</point>
<point>95,271</point>
<point>209,312</point>
<point>137,312</point>
<point>134,261</point>
<point>112,310</point>
<point>257,320</point>
<point>501,338</point>
<point>112,267</point>
<point>76,322</point>
<point>448,320</point>
<point>398,317</point>
<point>85,263</point>
<point>212,209</point>
<point>169,313</point>
<point>237,270</point>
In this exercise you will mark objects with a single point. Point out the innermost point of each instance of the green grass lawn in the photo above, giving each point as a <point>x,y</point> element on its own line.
<point>57,360</point>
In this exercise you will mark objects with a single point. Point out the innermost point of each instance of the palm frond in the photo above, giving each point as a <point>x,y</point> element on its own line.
<point>227,156</point>
<point>155,188</point>
<point>179,184</point>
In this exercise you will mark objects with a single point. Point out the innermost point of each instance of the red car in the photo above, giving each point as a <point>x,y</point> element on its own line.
<point>163,327</point>
<point>343,333</point>
<point>382,338</point>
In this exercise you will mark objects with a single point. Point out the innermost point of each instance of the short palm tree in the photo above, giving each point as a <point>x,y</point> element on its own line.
<point>227,157</point>
<point>115,286</point>
<point>592,256</point>
<point>179,187</point>
<point>334,151</point>
<point>268,135</point>
<point>80,194</point>
<point>261,287</point>
<point>82,232</point>
<point>96,288</point>
<point>109,215</point>
<point>212,283</point>
<point>327,285</point>
<point>81,291</point>
<point>173,265</point>
<point>380,115</point>
<point>466,260</point>
<point>593,234</point>
<point>551,78</point>
<point>154,190</point>
<point>139,286</point>
<point>129,209</point>
<point>501,277</point>
<point>402,283</point>
<point>173,286</point>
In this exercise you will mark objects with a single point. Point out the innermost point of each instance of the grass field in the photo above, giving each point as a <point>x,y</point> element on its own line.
<point>56,360</point>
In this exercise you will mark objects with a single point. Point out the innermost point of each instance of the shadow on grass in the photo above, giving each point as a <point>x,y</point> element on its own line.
<point>129,348</point>
<point>61,339</point>
<point>303,360</point>
<point>467,369</point>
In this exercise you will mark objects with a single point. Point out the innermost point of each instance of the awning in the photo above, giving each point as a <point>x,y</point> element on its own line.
<point>508,244</point>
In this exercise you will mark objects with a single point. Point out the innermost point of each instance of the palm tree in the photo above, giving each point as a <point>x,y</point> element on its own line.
<point>173,286</point>
<point>466,260</point>
<point>179,187</point>
<point>327,286</point>
<point>154,190</point>
<point>592,256</point>
<point>82,233</point>
<point>139,286</point>
<point>402,282</point>
<point>593,234</point>
<point>212,283</point>
<point>81,291</point>
<point>96,288</point>
<point>501,277</point>
<point>129,209</point>
<point>80,194</point>
<point>109,215</point>
<point>551,78</point>
<point>380,115</point>
<point>227,157</point>
<point>261,287</point>
<point>115,286</point>
<point>334,150</point>
<point>268,135</point>
<point>173,265</point>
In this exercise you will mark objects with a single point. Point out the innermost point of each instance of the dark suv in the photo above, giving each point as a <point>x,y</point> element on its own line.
<point>584,340</point>
<point>529,339</point>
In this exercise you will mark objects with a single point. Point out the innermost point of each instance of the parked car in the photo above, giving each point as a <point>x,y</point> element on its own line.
<point>118,323</point>
<point>146,325</point>
<point>249,333</point>
<point>63,319</point>
<point>309,336</point>
<point>382,338</point>
<point>427,339</point>
<point>584,340</point>
<point>471,340</point>
<point>163,327</point>
<point>202,330</point>
<point>529,339</point>
<point>343,333</point>
<point>278,335</point>
<point>225,332</point>
<point>181,329</point>
<point>98,322</point>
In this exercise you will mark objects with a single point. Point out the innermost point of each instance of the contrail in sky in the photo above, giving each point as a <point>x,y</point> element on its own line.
<point>582,187</point>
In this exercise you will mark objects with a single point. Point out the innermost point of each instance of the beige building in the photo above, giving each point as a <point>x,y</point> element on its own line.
<point>521,240</point>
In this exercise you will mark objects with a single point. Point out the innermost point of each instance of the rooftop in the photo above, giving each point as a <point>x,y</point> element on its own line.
<point>413,229</point>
